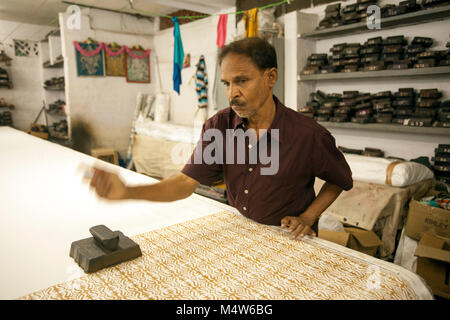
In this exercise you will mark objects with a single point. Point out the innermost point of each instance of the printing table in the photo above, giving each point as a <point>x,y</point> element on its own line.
<point>194,248</point>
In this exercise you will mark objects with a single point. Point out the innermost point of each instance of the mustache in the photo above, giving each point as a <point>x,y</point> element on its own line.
<point>238,103</point>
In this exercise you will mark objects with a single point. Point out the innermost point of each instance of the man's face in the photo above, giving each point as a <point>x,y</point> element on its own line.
<point>247,87</point>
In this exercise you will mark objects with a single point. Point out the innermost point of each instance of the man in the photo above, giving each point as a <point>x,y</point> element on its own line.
<point>305,149</point>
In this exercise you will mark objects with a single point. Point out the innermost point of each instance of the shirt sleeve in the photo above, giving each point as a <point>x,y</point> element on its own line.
<point>329,163</point>
<point>197,168</point>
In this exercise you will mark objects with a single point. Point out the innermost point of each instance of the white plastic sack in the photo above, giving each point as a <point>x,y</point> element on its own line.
<point>374,170</point>
<point>328,222</point>
<point>162,107</point>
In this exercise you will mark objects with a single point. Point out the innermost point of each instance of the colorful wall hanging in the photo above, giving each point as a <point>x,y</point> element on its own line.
<point>115,61</point>
<point>89,59</point>
<point>138,66</point>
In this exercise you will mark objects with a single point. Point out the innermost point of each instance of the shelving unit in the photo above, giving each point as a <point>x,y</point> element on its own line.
<point>308,36</point>
<point>381,127</point>
<point>418,17</point>
<point>53,67</point>
<point>412,72</point>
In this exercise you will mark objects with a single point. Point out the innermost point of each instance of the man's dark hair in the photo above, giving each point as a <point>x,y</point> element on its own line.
<point>259,50</point>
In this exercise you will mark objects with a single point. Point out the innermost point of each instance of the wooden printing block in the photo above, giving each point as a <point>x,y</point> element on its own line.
<point>337,56</point>
<point>382,95</point>
<point>338,47</point>
<point>415,49</point>
<point>383,119</point>
<point>395,11</point>
<point>318,96</point>
<point>371,50</point>
<point>374,41</point>
<point>331,14</point>
<point>362,7</point>
<point>406,92</point>
<point>428,103</point>
<point>338,118</point>
<point>334,96</point>
<point>444,116</point>
<point>424,65</point>
<point>367,1</point>
<point>373,152</point>
<point>395,40</point>
<point>430,3</point>
<point>370,58</point>
<point>322,118</point>
<point>337,23</point>
<point>350,94</point>
<point>317,56</point>
<point>324,111</point>
<point>420,122</point>
<point>365,97</point>
<point>351,61</point>
<point>306,109</point>
<point>401,64</point>
<point>396,48</point>
<point>430,93</point>
<point>403,111</point>
<point>330,104</point>
<point>424,113</point>
<point>313,104</point>
<point>310,70</point>
<point>375,66</point>
<point>429,55</point>
<point>350,68</point>
<point>441,159</point>
<point>425,42</point>
<point>342,110</point>
<point>317,62</point>
<point>444,63</point>
<point>104,249</point>
<point>349,150</point>
<point>382,103</point>
<point>403,102</point>
<point>362,120</point>
<point>350,8</point>
<point>391,57</point>
<point>333,7</point>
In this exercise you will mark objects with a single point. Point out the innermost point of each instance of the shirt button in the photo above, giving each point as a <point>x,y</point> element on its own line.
<point>246,191</point>
<point>250,146</point>
<point>244,208</point>
<point>250,169</point>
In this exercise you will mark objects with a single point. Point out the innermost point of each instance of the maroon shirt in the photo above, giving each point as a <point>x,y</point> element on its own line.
<point>306,151</point>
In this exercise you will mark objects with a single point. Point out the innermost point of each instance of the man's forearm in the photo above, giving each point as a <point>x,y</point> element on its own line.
<point>327,195</point>
<point>170,189</point>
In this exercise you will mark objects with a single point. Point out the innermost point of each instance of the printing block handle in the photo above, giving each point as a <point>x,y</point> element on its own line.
<point>105,237</point>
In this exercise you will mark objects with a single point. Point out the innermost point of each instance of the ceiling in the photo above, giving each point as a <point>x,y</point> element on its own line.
<point>44,12</point>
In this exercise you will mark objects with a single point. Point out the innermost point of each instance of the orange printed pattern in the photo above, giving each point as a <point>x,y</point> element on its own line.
<point>227,256</point>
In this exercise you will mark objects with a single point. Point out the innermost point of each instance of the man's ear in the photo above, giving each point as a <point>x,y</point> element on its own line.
<point>272,76</point>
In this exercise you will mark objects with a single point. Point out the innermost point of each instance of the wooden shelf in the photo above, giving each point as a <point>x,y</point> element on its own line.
<point>412,72</point>
<point>382,127</point>
<point>418,17</point>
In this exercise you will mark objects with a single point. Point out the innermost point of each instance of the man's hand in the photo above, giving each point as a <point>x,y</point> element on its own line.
<point>108,185</point>
<point>298,226</point>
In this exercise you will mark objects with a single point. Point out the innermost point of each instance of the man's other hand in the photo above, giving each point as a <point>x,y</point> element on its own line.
<point>108,185</point>
<point>298,226</point>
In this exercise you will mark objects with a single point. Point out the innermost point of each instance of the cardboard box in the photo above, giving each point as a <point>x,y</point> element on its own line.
<point>423,219</point>
<point>433,263</point>
<point>354,238</point>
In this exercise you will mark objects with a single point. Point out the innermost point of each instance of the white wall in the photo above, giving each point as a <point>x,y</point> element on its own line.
<point>106,103</point>
<point>25,72</point>
<point>394,144</point>
<point>199,37</point>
